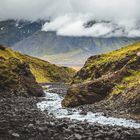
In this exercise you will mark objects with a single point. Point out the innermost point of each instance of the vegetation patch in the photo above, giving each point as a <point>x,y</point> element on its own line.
<point>114,76</point>
<point>42,70</point>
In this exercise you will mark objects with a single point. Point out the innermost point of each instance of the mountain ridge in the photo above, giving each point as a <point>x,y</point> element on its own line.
<point>13,31</point>
<point>65,50</point>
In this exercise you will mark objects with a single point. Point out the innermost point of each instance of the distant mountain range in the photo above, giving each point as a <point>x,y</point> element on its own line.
<point>28,38</point>
<point>68,50</point>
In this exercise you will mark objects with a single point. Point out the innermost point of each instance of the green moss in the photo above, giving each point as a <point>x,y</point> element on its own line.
<point>42,70</point>
<point>118,89</point>
<point>133,79</point>
<point>114,76</point>
<point>99,65</point>
<point>7,74</point>
<point>128,82</point>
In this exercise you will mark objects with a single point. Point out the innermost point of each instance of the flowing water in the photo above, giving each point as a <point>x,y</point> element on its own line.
<point>52,104</point>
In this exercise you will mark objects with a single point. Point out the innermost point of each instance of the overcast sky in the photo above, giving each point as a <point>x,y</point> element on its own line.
<point>68,16</point>
<point>105,9</point>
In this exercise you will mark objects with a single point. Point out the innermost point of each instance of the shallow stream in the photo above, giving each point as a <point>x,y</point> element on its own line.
<point>52,104</point>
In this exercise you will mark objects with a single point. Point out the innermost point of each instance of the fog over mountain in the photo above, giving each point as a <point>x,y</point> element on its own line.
<point>85,26</point>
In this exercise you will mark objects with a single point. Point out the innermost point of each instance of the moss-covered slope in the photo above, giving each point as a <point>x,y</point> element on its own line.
<point>16,79</point>
<point>42,70</point>
<point>99,65</point>
<point>114,76</point>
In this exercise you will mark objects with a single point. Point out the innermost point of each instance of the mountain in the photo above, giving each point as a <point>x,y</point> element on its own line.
<point>113,77</point>
<point>42,70</point>
<point>68,50</point>
<point>13,31</point>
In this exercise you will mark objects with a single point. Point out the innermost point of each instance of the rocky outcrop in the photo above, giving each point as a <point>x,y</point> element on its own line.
<point>93,91</point>
<point>16,79</point>
<point>114,77</point>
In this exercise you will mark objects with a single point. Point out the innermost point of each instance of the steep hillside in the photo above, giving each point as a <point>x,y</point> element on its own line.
<point>42,70</point>
<point>99,65</point>
<point>16,79</point>
<point>66,49</point>
<point>13,31</point>
<point>114,76</point>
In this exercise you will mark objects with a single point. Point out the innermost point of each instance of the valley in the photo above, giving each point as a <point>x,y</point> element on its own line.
<point>29,38</point>
<point>71,106</point>
<point>56,87</point>
<point>69,50</point>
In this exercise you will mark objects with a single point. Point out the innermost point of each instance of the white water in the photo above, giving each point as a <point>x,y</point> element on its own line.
<point>52,104</point>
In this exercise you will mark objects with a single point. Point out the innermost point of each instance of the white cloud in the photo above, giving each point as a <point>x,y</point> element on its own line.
<point>134,33</point>
<point>70,25</point>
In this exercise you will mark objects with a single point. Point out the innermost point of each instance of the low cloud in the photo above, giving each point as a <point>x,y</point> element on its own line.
<point>70,25</point>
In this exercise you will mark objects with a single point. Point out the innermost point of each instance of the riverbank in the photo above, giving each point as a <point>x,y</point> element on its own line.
<point>103,106</point>
<point>20,119</point>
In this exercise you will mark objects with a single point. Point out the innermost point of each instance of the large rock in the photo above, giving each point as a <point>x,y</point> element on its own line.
<point>93,91</point>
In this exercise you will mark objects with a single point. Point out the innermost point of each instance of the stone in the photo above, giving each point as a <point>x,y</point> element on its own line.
<point>77,136</point>
<point>83,113</point>
<point>30,125</point>
<point>15,135</point>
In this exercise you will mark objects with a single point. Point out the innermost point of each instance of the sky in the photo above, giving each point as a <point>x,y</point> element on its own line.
<point>68,15</point>
<point>34,9</point>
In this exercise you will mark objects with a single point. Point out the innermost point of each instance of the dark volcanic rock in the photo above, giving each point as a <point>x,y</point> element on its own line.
<point>20,119</point>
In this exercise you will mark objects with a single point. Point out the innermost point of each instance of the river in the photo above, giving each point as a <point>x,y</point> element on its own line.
<point>52,103</point>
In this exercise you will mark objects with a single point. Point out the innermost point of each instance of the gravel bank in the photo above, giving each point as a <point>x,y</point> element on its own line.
<point>20,119</point>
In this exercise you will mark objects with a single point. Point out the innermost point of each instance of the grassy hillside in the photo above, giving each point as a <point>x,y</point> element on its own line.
<point>16,79</point>
<point>99,65</point>
<point>42,70</point>
<point>113,76</point>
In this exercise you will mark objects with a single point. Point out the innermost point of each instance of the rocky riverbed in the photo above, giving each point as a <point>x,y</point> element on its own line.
<point>20,119</point>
